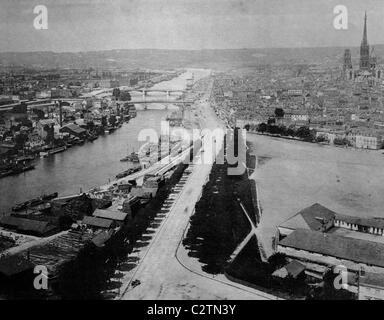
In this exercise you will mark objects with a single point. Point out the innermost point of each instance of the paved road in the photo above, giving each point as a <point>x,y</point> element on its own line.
<point>161,275</point>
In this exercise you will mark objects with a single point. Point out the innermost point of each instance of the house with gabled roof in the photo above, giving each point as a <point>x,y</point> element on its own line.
<point>315,217</point>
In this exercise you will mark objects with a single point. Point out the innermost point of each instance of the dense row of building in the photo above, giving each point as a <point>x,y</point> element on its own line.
<point>337,100</point>
<point>39,84</point>
<point>44,109</point>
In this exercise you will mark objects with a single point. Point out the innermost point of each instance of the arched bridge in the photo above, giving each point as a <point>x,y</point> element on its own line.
<point>144,92</point>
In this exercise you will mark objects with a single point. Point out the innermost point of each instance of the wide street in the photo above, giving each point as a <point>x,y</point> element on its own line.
<point>162,274</point>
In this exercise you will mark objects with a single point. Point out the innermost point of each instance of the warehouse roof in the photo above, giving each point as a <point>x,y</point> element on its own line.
<point>311,218</point>
<point>372,280</point>
<point>97,222</point>
<point>112,214</point>
<point>357,250</point>
<point>26,225</point>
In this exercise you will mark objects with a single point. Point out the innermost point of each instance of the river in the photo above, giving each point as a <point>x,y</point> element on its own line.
<point>90,165</point>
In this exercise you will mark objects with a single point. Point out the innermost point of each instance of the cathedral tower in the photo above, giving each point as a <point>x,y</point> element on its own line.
<point>364,48</point>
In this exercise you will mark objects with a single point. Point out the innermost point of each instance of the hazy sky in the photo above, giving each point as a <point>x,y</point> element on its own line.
<point>83,25</point>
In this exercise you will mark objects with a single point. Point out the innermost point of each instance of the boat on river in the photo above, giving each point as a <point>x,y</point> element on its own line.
<point>5,173</point>
<point>25,158</point>
<point>20,206</point>
<point>55,150</point>
<point>92,138</point>
<point>34,202</point>
<point>47,197</point>
<point>133,157</point>
<point>128,172</point>
<point>19,169</point>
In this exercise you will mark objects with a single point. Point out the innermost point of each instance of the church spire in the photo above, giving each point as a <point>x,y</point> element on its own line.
<point>364,48</point>
<point>365,38</point>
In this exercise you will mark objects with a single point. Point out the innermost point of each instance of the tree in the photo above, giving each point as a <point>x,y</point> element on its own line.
<point>40,113</point>
<point>321,138</point>
<point>116,93</point>
<point>262,127</point>
<point>112,120</point>
<point>273,129</point>
<point>125,96</point>
<point>290,132</point>
<point>277,260</point>
<point>305,133</point>
<point>279,113</point>
<point>20,140</point>
<point>104,122</point>
<point>283,130</point>
<point>330,292</point>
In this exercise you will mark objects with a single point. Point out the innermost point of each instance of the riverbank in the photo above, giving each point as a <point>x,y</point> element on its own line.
<point>314,142</point>
<point>92,164</point>
<point>80,167</point>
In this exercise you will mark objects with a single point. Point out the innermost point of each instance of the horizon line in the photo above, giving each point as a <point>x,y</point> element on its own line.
<point>203,49</point>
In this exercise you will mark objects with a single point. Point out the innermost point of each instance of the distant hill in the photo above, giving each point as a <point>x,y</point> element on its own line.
<point>167,59</point>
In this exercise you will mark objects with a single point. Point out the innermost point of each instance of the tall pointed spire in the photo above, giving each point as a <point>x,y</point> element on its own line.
<point>365,38</point>
<point>364,48</point>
